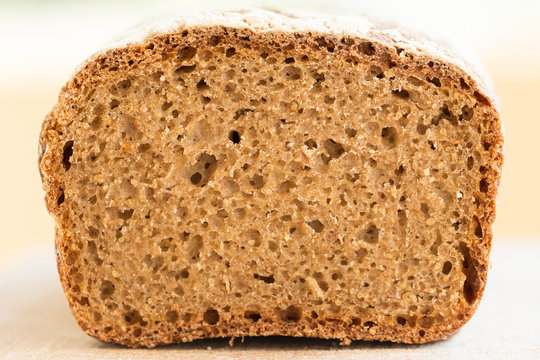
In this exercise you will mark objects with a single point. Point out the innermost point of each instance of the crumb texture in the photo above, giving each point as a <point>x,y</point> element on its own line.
<point>216,182</point>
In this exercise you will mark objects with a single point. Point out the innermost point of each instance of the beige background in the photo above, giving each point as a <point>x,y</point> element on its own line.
<point>41,42</point>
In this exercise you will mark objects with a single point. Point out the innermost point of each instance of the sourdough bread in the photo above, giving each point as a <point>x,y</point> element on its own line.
<point>251,173</point>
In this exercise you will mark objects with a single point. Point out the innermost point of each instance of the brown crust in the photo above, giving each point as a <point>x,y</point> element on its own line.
<point>347,47</point>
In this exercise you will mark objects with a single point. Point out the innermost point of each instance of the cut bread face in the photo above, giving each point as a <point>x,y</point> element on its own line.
<point>222,182</point>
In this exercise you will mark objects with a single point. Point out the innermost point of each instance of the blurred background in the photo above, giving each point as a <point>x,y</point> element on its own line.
<point>43,41</point>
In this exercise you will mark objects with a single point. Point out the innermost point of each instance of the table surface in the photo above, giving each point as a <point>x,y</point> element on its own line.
<point>35,322</point>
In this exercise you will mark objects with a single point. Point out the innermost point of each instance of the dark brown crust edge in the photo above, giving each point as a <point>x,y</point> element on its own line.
<point>380,49</point>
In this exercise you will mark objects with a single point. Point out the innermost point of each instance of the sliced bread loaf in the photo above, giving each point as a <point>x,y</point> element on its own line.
<point>245,173</point>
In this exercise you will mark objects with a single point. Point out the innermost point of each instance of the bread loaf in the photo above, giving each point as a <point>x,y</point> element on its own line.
<point>253,173</point>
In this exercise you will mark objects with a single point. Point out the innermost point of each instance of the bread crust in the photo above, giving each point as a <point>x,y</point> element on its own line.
<point>366,42</point>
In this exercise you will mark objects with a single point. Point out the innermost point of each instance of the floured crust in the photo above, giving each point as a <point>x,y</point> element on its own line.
<point>260,20</point>
<point>335,36</point>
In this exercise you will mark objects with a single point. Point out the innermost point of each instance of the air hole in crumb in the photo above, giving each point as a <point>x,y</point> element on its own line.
<point>272,245</point>
<point>323,42</point>
<point>214,40</point>
<point>241,112</point>
<point>481,98</point>
<point>367,48</point>
<point>185,69</point>
<point>484,186</point>
<point>234,136</point>
<point>184,273</point>
<point>321,283</point>
<point>291,314</point>
<point>252,237</point>
<point>257,181</point>
<point>371,235</point>
<point>289,60</point>
<point>114,103</point>
<point>286,186</point>
<point>61,198</point>
<point>422,333</point>
<point>186,53</point>
<point>316,225</point>
<point>201,172</point>
<point>318,77</point>
<point>470,163</point>
<point>125,214</point>
<point>402,216</point>
<point>402,94</point>
<point>426,322</point>
<point>95,124</point>
<point>389,136</point>
<point>68,152</point>
<point>337,276</point>
<point>369,324</point>
<point>292,72</point>
<point>143,147</point>
<point>124,84</point>
<point>230,52</point>
<point>421,129</point>
<point>93,232</point>
<point>171,316</point>
<point>435,81</point>
<point>211,316</point>
<point>132,317</point>
<point>267,279</point>
<point>361,254</point>
<point>311,144</point>
<point>376,71</point>
<point>137,332</point>
<point>195,178</point>
<point>72,257</point>
<point>401,321</point>
<point>252,315</point>
<point>447,267</point>
<point>329,100</point>
<point>466,113</point>
<point>472,281</point>
<point>202,85</point>
<point>334,149</point>
<point>350,132</point>
<point>84,301</point>
<point>165,244</point>
<point>195,244</point>
<point>478,228</point>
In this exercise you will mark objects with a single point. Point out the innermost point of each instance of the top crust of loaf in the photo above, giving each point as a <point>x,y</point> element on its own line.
<point>272,26</point>
<point>267,20</point>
